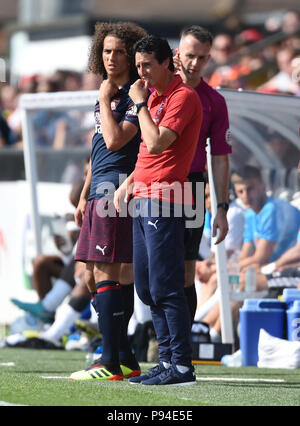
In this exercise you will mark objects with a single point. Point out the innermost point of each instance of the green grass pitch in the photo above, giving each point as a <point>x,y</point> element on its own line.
<point>40,378</point>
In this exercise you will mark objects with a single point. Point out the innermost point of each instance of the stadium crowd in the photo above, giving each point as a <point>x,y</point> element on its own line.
<point>265,60</point>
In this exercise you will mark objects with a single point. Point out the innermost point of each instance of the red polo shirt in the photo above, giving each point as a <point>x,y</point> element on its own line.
<point>162,175</point>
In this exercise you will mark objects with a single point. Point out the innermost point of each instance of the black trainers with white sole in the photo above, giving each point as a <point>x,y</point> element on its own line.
<point>172,376</point>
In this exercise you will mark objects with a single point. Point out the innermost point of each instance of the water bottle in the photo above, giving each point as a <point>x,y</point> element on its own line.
<point>250,280</point>
<point>233,269</point>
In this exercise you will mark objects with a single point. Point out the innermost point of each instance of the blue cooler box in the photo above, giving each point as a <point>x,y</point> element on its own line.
<point>289,295</point>
<point>293,321</point>
<point>255,314</point>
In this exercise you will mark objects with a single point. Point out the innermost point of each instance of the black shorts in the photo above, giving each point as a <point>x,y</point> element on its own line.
<point>192,236</point>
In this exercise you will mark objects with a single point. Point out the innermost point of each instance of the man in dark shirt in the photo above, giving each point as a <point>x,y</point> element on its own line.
<point>105,242</point>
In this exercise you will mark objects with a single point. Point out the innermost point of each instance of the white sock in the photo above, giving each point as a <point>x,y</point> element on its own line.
<point>166,364</point>
<point>66,318</point>
<point>56,295</point>
<point>182,368</point>
<point>215,337</point>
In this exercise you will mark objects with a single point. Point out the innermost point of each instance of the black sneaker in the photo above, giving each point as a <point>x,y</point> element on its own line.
<point>151,373</point>
<point>172,376</point>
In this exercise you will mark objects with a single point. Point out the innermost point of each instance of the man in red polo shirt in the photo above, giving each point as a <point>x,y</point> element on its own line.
<point>170,127</point>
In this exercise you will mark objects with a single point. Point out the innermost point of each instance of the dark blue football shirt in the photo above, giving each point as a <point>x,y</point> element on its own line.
<point>107,166</point>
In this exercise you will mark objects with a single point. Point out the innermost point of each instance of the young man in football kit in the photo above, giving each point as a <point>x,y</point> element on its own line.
<point>105,241</point>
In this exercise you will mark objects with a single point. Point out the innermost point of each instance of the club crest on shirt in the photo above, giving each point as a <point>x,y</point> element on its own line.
<point>98,128</point>
<point>114,103</point>
<point>157,118</point>
<point>131,111</point>
<point>97,117</point>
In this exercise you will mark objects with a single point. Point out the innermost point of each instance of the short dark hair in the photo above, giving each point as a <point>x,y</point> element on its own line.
<point>245,173</point>
<point>158,46</point>
<point>200,33</point>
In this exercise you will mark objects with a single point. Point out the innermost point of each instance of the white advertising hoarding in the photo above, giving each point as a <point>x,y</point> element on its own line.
<point>16,238</point>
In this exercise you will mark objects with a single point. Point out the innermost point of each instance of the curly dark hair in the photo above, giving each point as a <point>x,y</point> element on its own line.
<point>129,32</point>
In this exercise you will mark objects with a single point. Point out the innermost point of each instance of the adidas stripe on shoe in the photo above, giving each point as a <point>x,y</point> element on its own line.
<point>129,368</point>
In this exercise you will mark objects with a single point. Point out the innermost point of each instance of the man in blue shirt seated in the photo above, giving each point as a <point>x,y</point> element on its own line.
<point>271,224</point>
<point>271,228</point>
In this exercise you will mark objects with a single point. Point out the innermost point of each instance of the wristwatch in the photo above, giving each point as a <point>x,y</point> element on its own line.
<point>137,107</point>
<point>224,206</point>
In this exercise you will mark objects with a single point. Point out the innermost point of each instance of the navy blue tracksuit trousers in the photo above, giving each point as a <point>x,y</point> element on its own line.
<point>158,259</point>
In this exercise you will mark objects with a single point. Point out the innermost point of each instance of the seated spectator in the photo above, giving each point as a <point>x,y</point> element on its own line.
<point>68,81</point>
<point>78,302</point>
<point>265,237</point>
<point>61,268</point>
<point>52,128</point>
<point>45,309</point>
<point>206,269</point>
<point>222,49</point>
<point>239,73</point>
<point>226,76</point>
<point>10,104</point>
<point>217,69</point>
<point>284,272</point>
<point>291,22</point>
<point>291,26</point>
<point>7,137</point>
<point>8,100</point>
<point>282,82</point>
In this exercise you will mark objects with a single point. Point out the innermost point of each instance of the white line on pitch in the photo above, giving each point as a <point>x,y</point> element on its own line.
<point>206,379</point>
<point>54,377</point>
<point>238,379</point>
<point>10,404</point>
<point>7,364</point>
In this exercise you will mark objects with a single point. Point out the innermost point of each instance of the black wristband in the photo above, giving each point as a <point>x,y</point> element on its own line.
<point>139,106</point>
<point>224,206</point>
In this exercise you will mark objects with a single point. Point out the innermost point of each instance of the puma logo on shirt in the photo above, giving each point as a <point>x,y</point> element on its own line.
<point>101,249</point>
